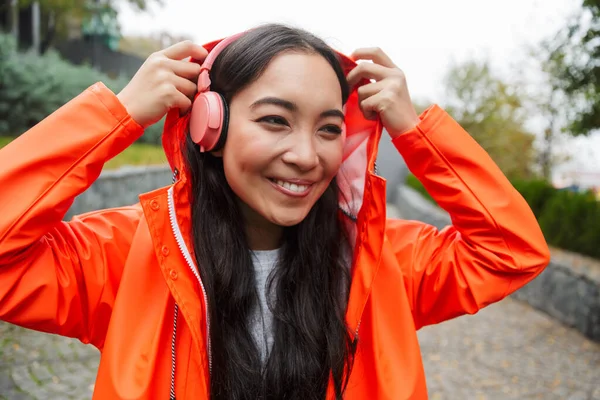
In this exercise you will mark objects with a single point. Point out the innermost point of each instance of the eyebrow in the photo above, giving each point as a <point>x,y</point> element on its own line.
<point>293,107</point>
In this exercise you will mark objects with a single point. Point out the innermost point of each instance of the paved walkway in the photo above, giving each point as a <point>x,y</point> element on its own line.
<point>509,351</point>
<point>42,366</point>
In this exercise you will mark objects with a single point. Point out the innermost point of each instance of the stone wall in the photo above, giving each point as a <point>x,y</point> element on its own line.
<point>120,187</point>
<point>568,289</point>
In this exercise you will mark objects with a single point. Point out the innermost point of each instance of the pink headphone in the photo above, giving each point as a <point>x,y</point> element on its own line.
<point>209,117</point>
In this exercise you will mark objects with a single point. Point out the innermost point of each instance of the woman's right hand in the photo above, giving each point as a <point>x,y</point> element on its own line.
<point>166,80</point>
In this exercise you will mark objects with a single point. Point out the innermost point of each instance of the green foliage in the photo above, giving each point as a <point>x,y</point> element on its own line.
<point>32,87</point>
<point>536,193</point>
<point>573,57</point>
<point>570,221</point>
<point>493,113</point>
<point>153,133</point>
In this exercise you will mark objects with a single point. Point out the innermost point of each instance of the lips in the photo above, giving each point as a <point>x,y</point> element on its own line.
<point>295,187</point>
<point>292,186</point>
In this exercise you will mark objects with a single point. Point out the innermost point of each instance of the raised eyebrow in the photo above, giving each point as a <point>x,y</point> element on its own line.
<point>276,101</point>
<point>333,113</point>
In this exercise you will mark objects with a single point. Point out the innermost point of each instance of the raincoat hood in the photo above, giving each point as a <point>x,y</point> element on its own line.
<point>360,148</point>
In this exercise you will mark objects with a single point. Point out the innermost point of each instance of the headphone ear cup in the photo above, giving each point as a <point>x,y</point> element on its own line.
<point>224,124</point>
<point>206,120</point>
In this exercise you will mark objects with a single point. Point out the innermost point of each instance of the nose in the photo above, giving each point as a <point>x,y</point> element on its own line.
<point>302,152</point>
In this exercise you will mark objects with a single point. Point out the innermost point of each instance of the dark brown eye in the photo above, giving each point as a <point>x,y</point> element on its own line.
<point>274,120</point>
<point>332,129</point>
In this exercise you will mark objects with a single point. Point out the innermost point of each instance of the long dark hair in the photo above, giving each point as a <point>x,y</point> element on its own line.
<point>310,283</point>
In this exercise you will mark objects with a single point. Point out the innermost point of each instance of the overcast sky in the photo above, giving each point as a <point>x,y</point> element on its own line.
<point>423,37</point>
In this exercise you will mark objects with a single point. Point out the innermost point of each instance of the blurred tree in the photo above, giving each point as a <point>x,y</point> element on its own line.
<point>59,17</point>
<point>574,56</point>
<point>547,106</point>
<point>493,112</point>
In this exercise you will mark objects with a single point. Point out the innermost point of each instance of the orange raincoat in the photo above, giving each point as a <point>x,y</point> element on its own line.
<point>112,278</point>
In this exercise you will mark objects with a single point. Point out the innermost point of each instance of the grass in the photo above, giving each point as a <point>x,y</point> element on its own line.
<point>4,141</point>
<point>136,154</point>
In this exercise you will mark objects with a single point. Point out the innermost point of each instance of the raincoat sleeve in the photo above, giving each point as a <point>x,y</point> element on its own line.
<point>494,245</point>
<point>55,276</point>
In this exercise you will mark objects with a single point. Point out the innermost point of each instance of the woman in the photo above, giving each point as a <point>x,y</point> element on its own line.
<point>268,269</point>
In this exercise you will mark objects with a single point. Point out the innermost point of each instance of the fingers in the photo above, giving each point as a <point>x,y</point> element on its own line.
<point>185,49</point>
<point>184,69</point>
<point>366,91</point>
<point>185,87</point>
<point>181,102</point>
<point>368,71</point>
<point>374,54</point>
<point>371,106</point>
<point>173,67</point>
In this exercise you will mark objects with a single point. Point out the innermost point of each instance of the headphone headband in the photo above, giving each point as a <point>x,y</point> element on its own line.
<point>209,115</point>
<point>204,79</point>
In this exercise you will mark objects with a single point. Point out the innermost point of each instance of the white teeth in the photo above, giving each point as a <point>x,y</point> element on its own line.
<point>292,186</point>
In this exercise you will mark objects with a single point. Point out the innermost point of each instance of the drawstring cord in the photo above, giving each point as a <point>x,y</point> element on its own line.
<point>175,314</point>
<point>172,392</point>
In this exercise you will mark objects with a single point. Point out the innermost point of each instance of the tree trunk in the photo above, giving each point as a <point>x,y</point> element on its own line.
<point>546,156</point>
<point>14,19</point>
<point>50,33</point>
<point>35,26</point>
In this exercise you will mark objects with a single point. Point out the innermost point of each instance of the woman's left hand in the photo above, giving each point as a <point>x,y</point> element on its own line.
<point>387,96</point>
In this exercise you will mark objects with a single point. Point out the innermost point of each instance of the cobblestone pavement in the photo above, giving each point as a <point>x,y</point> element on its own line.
<point>507,351</point>
<point>40,366</point>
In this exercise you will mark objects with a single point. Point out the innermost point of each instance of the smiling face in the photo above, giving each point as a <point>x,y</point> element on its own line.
<point>285,142</point>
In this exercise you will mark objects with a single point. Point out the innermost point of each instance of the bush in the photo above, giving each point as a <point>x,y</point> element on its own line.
<point>34,86</point>
<point>570,221</point>
<point>537,193</point>
<point>153,133</point>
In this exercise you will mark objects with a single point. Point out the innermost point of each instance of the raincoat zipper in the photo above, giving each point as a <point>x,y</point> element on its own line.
<point>188,258</point>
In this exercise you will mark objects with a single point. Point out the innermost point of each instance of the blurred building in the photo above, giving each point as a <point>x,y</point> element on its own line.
<point>579,180</point>
<point>22,21</point>
<point>88,34</point>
